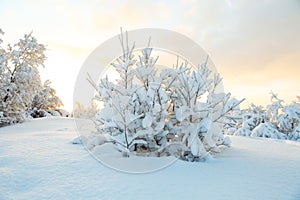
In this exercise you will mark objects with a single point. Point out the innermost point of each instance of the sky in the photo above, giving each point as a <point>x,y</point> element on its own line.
<point>255,45</point>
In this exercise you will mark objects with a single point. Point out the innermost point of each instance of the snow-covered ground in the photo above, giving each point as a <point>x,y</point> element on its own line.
<point>39,161</point>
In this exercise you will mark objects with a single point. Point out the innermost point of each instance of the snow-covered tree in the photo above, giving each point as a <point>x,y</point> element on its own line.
<point>45,102</point>
<point>19,77</point>
<point>161,112</point>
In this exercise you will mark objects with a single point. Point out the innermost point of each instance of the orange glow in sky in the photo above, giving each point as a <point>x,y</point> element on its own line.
<point>255,45</point>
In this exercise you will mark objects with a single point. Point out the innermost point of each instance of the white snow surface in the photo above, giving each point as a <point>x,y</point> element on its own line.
<point>39,161</point>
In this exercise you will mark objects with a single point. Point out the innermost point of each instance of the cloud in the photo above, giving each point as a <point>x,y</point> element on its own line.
<point>251,42</point>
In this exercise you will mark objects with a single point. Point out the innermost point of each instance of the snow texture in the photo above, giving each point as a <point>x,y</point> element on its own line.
<point>38,161</point>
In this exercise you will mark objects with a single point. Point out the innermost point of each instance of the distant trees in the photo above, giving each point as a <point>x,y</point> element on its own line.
<point>275,121</point>
<point>21,92</point>
<point>81,111</point>
<point>158,112</point>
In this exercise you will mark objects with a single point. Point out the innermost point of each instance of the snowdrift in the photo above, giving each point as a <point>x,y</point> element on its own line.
<point>39,161</point>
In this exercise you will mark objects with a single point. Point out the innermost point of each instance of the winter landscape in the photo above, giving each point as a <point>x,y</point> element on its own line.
<point>39,161</point>
<point>149,115</point>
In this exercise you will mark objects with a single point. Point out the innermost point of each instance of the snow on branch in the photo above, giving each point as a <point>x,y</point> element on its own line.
<point>158,112</point>
<point>22,94</point>
<point>277,120</point>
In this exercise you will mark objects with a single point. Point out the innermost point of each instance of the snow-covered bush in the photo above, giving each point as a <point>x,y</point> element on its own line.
<point>46,99</point>
<point>233,120</point>
<point>20,82</point>
<point>45,103</point>
<point>275,107</point>
<point>157,112</point>
<point>251,118</point>
<point>276,121</point>
<point>267,130</point>
<point>289,119</point>
<point>295,134</point>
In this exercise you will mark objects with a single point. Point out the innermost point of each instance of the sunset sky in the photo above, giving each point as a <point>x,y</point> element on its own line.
<point>255,45</point>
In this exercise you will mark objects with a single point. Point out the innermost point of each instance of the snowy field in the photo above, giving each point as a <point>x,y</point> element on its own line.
<point>39,161</point>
